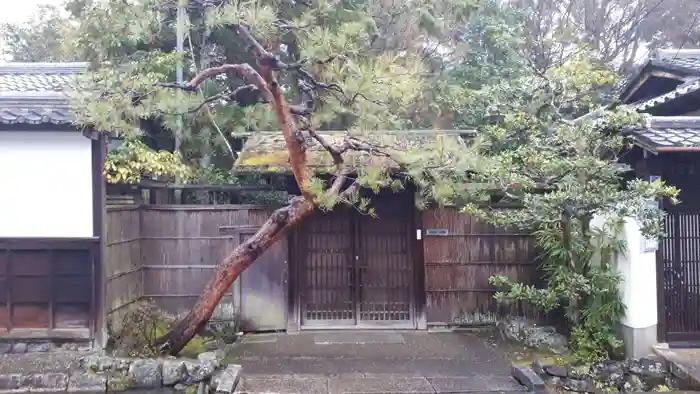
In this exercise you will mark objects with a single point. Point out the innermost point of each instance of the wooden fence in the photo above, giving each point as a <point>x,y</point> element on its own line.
<point>460,255</point>
<point>122,260</point>
<point>167,253</point>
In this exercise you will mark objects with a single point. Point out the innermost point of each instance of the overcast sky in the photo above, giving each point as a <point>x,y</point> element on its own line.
<point>20,11</point>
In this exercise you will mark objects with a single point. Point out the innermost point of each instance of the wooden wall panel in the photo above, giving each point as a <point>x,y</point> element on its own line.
<point>461,253</point>
<point>46,285</point>
<point>122,260</point>
<point>169,252</point>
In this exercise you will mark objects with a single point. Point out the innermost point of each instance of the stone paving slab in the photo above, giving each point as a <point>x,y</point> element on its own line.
<point>423,354</point>
<point>373,362</point>
<point>358,338</point>
<point>684,364</point>
<point>310,384</point>
<point>374,384</point>
<point>371,384</point>
<point>475,384</point>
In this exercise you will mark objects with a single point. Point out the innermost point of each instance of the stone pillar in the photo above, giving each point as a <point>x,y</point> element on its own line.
<point>639,293</point>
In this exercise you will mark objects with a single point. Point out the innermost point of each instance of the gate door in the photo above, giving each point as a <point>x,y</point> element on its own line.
<point>326,271</point>
<point>679,280</point>
<point>385,265</point>
<point>356,271</point>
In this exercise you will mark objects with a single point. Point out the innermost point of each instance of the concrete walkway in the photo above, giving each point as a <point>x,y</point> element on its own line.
<point>373,362</point>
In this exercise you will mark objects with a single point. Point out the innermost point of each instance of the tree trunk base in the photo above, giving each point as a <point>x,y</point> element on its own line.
<point>228,270</point>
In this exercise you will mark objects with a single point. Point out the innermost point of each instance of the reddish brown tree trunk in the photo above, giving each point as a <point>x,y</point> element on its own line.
<point>279,222</point>
<point>241,258</point>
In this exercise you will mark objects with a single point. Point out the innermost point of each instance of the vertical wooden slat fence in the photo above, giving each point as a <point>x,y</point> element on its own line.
<point>122,260</point>
<point>181,245</point>
<point>461,253</point>
<point>168,253</point>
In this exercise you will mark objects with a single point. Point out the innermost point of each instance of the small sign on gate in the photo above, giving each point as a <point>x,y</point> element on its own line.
<point>437,232</point>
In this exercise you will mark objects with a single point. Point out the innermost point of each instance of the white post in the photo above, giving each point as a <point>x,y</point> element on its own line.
<point>638,288</point>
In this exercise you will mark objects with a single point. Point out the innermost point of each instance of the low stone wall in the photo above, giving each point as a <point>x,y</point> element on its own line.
<point>21,347</point>
<point>629,376</point>
<point>100,373</point>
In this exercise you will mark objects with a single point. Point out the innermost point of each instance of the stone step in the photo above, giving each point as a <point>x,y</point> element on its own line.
<point>374,383</point>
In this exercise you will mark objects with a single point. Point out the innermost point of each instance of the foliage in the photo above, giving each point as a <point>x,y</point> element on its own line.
<point>384,68</point>
<point>139,329</point>
<point>44,37</point>
<point>616,32</point>
<point>215,176</point>
<point>133,160</point>
<point>419,64</point>
<point>567,174</point>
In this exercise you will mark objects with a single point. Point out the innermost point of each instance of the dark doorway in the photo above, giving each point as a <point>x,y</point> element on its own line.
<point>356,270</point>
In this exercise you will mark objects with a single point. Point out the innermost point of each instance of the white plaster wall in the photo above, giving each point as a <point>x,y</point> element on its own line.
<point>638,270</point>
<point>45,184</point>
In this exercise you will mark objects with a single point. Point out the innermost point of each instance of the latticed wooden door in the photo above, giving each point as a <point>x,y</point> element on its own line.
<point>327,277</point>
<point>357,270</point>
<point>679,279</point>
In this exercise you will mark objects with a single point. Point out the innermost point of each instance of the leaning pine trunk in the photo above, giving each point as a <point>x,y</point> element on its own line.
<point>241,258</point>
<point>279,222</point>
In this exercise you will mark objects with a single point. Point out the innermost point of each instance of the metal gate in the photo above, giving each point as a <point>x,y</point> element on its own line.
<point>356,271</point>
<point>679,280</point>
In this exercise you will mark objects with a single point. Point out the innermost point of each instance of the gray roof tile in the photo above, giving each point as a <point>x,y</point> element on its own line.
<point>685,61</point>
<point>690,63</point>
<point>34,93</point>
<point>690,86</point>
<point>670,131</point>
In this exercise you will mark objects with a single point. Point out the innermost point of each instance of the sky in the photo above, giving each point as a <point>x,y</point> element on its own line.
<point>21,10</point>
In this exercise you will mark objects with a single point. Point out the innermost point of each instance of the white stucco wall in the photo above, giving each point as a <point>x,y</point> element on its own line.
<point>638,269</point>
<point>45,184</point>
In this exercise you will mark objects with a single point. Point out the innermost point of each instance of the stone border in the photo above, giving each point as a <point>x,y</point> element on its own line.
<point>103,374</point>
<point>528,378</point>
<point>21,347</point>
<point>689,377</point>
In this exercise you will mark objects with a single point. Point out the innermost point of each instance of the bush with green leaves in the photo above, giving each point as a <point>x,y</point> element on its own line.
<point>566,172</point>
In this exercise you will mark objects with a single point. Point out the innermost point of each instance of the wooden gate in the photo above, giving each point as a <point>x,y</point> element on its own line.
<point>679,280</point>
<point>356,271</point>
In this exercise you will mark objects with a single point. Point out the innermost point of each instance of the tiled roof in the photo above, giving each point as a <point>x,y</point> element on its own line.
<point>687,60</point>
<point>33,93</point>
<point>690,86</point>
<point>267,152</point>
<point>684,61</point>
<point>669,131</point>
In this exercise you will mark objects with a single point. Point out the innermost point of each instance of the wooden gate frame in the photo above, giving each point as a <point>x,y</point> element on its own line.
<point>661,334</point>
<point>419,296</point>
<point>678,339</point>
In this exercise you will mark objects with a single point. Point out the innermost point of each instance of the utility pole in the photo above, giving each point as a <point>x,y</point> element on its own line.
<point>180,49</point>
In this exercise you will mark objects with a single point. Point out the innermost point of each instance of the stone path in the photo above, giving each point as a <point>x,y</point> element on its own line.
<point>375,383</point>
<point>373,362</point>
<point>683,363</point>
